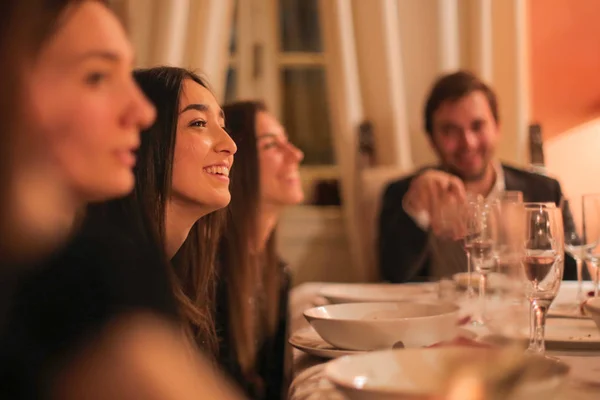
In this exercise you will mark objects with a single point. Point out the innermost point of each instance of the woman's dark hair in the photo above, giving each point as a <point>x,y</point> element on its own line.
<point>452,87</point>
<point>246,270</point>
<point>144,210</point>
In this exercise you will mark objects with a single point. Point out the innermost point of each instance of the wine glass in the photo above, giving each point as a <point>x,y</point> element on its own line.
<point>508,308</point>
<point>575,246</point>
<point>509,205</point>
<point>471,230</point>
<point>482,220</point>
<point>542,263</point>
<point>591,235</point>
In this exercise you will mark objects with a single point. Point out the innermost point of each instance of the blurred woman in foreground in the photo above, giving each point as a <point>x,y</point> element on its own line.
<point>76,325</point>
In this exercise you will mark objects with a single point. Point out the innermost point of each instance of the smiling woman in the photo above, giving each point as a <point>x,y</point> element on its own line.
<point>181,180</point>
<point>254,282</point>
<point>203,152</point>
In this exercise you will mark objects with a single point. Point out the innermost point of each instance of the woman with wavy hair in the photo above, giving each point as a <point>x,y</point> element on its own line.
<point>254,283</point>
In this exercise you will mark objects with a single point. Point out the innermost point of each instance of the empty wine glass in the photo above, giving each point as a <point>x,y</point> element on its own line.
<point>471,230</point>
<point>509,205</point>
<point>483,223</point>
<point>508,308</point>
<point>542,263</point>
<point>591,235</point>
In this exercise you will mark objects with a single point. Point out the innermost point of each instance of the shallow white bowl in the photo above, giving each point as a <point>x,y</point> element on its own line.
<point>375,292</point>
<point>421,373</point>
<point>375,326</point>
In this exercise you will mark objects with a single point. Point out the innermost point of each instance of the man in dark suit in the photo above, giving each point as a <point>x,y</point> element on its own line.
<point>461,120</point>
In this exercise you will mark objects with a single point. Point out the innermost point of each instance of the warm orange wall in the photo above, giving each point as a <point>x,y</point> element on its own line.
<point>565,63</point>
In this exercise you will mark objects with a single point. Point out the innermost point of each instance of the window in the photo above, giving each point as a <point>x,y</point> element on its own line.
<point>276,54</point>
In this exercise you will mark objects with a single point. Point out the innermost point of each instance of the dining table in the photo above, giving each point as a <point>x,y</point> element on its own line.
<point>310,383</point>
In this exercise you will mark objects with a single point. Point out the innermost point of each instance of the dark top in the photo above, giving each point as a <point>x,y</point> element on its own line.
<point>58,307</point>
<point>405,252</point>
<point>272,361</point>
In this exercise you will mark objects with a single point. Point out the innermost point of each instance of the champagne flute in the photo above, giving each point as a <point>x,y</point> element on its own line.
<point>508,308</point>
<point>480,244</point>
<point>542,263</point>
<point>470,234</point>
<point>509,207</point>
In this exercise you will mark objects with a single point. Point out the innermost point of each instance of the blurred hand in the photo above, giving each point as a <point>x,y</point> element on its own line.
<point>442,197</point>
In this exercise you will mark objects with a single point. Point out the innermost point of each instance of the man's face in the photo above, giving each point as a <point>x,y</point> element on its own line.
<point>465,135</point>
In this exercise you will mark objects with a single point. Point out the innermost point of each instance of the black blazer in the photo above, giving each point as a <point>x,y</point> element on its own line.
<point>404,253</point>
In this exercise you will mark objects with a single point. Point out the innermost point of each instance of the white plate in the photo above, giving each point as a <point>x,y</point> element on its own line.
<point>420,373</point>
<point>309,341</point>
<point>338,293</point>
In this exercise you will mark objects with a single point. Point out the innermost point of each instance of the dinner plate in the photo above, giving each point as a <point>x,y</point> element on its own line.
<point>338,293</point>
<point>309,341</point>
<point>424,373</point>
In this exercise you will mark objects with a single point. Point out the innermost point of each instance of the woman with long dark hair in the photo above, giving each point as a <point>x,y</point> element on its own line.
<point>181,180</point>
<point>94,320</point>
<point>254,283</point>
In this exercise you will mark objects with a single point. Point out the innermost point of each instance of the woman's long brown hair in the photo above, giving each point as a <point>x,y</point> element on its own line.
<point>242,268</point>
<point>192,269</point>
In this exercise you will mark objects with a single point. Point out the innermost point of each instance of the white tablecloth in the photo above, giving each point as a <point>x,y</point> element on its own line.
<point>310,384</point>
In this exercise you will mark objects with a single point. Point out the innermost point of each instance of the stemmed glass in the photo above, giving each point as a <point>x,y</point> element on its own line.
<point>575,246</point>
<point>591,235</point>
<point>482,223</point>
<point>471,230</point>
<point>507,313</point>
<point>507,249</point>
<point>542,261</point>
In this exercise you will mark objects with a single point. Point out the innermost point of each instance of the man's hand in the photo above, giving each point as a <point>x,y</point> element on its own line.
<point>442,197</point>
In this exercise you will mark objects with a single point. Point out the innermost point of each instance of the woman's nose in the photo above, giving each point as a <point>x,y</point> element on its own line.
<point>225,143</point>
<point>141,113</point>
<point>295,153</point>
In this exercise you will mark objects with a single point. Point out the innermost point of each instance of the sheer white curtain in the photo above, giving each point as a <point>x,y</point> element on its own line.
<point>187,33</point>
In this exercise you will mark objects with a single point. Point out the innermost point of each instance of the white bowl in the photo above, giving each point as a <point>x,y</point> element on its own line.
<point>338,293</point>
<point>591,307</point>
<point>423,373</point>
<point>375,326</point>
